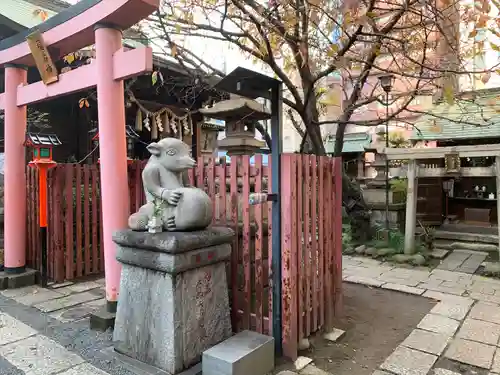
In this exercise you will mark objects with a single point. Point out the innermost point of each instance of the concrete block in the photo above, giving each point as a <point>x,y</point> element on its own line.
<point>19,280</point>
<point>244,353</point>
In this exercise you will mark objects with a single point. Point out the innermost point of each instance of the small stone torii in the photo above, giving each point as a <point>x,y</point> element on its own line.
<point>414,155</point>
<point>89,22</point>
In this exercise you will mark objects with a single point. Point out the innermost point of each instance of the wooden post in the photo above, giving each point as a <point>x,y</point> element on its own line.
<point>411,207</point>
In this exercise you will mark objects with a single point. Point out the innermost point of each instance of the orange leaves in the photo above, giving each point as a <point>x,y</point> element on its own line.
<point>83,102</point>
<point>42,14</point>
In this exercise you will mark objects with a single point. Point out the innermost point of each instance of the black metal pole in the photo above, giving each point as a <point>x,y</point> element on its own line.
<point>276,150</point>
<point>387,163</point>
<point>43,239</point>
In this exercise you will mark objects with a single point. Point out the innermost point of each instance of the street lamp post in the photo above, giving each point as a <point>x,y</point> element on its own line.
<point>386,81</point>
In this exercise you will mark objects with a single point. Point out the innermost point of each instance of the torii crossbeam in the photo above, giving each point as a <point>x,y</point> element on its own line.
<point>89,22</point>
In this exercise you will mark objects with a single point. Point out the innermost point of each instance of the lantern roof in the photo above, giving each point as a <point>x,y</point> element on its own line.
<point>40,139</point>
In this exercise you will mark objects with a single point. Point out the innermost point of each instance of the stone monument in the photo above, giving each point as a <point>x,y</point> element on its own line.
<point>173,301</point>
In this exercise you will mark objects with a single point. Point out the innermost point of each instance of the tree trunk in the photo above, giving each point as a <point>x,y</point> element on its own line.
<point>353,202</point>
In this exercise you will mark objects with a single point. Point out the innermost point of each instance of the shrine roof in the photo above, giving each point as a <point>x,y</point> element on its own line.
<point>353,142</point>
<point>452,122</point>
<point>38,139</point>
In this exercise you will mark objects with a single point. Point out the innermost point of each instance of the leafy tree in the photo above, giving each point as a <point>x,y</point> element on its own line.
<point>428,45</point>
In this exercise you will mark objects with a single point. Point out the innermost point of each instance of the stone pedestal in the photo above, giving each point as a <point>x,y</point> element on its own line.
<point>173,302</point>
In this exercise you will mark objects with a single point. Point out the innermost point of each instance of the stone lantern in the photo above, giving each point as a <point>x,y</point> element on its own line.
<point>210,130</point>
<point>239,114</point>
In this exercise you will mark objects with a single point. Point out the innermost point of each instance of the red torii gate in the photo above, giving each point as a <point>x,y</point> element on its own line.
<point>88,22</point>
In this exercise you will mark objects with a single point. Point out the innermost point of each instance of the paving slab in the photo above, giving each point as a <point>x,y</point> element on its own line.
<point>74,313</point>
<point>453,261</point>
<point>37,297</point>
<point>495,368</point>
<point>364,280</point>
<point>313,370</point>
<point>429,342</point>
<point>452,310</point>
<point>438,324</point>
<point>479,330</point>
<point>38,355</point>
<point>84,369</point>
<point>21,292</point>
<point>439,253</point>
<point>486,311</point>
<point>404,288</point>
<point>67,301</point>
<point>471,352</point>
<point>443,371</point>
<point>404,361</point>
<point>13,330</point>
<point>472,263</point>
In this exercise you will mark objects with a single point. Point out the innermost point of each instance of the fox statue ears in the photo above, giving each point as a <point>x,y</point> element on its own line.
<point>154,149</point>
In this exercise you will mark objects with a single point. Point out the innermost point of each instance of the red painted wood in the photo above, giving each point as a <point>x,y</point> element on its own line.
<point>236,250</point>
<point>86,219</point>
<point>222,191</point>
<point>68,198</point>
<point>339,302</point>
<point>259,234</point>
<point>78,219</point>
<point>289,255</point>
<point>328,241</point>
<point>314,243</point>
<point>299,233</point>
<point>321,244</point>
<point>247,260</point>
<point>96,222</point>
<point>211,184</point>
<point>56,211</point>
<point>267,278</point>
<point>306,199</point>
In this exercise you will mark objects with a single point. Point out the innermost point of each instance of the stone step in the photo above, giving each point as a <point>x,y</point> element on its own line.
<point>453,245</point>
<point>466,237</point>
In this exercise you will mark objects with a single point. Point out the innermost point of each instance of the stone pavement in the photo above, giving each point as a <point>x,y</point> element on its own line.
<point>46,331</point>
<point>464,326</point>
<point>466,261</point>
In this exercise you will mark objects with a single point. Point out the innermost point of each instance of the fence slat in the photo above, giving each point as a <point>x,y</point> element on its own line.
<point>259,233</point>
<point>222,191</point>
<point>321,244</point>
<point>68,196</point>
<point>299,233</point>
<point>289,255</point>
<point>314,241</point>
<point>306,199</point>
<point>95,218</point>
<point>86,218</point>
<point>337,208</point>
<point>57,211</point>
<point>78,221</point>
<point>328,245</point>
<point>235,253</point>
<point>211,186</point>
<point>269,248</point>
<point>247,260</point>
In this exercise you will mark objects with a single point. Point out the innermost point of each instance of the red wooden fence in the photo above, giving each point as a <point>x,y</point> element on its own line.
<point>311,247</point>
<point>311,234</point>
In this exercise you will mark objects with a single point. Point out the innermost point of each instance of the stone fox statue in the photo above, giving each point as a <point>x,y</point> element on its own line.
<point>182,208</point>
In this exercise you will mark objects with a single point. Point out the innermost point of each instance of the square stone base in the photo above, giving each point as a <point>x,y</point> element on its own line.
<point>167,320</point>
<point>102,319</point>
<point>18,280</point>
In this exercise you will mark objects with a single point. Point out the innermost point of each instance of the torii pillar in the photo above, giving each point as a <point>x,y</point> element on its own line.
<point>99,22</point>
